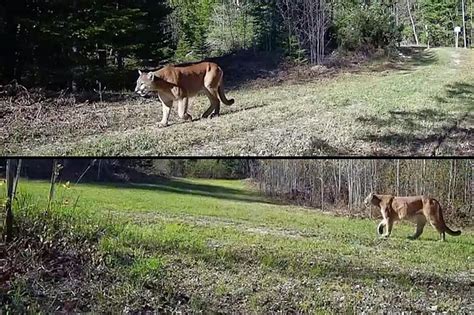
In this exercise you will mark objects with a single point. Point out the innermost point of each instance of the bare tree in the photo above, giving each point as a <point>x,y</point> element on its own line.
<point>464,22</point>
<point>345,183</point>
<point>398,176</point>
<point>54,175</point>
<point>412,21</point>
<point>472,21</point>
<point>12,174</point>
<point>308,20</point>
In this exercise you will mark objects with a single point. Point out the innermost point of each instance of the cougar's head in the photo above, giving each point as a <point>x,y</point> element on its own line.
<point>144,83</point>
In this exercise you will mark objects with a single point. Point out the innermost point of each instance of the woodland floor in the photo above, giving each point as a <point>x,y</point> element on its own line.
<point>421,103</point>
<point>217,246</point>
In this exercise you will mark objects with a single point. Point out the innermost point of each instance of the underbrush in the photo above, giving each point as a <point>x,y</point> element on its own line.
<point>33,115</point>
<point>57,263</point>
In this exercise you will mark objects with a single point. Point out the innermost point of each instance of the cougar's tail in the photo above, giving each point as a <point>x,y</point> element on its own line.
<point>223,98</point>
<point>446,228</point>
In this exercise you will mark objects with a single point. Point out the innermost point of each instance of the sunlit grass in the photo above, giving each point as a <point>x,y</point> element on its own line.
<point>209,226</point>
<point>401,108</point>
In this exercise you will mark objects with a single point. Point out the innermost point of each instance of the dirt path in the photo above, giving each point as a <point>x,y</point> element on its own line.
<point>151,217</point>
<point>463,128</point>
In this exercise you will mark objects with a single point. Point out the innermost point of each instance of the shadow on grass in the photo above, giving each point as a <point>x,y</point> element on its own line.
<point>245,66</point>
<point>421,58</point>
<point>178,186</point>
<point>308,266</point>
<point>463,92</point>
<point>403,279</point>
<point>412,58</point>
<point>321,147</point>
<point>411,121</point>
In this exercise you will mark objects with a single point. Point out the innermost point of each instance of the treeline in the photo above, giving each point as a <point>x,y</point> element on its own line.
<point>77,44</point>
<point>134,170</point>
<point>432,22</point>
<point>342,185</point>
<point>332,185</point>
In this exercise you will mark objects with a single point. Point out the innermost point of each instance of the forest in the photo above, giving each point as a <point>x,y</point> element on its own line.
<point>79,44</point>
<point>333,185</point>
<point>229,235</point>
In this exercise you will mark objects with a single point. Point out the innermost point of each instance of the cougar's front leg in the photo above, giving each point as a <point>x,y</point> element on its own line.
<point>389,228</point>
<point>166,106</point>
<point>183,109</point>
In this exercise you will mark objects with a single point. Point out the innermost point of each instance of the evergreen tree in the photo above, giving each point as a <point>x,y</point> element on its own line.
<point>440,17</point>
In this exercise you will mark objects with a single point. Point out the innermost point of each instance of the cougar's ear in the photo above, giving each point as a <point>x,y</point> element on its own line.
<point>151,76</point>
<point>140,72</point>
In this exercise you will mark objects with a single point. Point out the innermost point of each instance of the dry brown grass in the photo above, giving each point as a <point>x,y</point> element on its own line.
<point>418,105</point>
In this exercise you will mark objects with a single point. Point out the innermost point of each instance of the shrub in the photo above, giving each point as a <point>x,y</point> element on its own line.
<point>367,28</point>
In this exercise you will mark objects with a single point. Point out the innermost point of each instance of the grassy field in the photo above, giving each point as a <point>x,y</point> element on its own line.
<point>216,245</point>
<point>419,104</point>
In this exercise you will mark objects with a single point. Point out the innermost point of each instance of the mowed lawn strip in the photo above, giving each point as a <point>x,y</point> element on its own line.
<point>412,107</point>
<point>234,213</point>
<point>210,227</point>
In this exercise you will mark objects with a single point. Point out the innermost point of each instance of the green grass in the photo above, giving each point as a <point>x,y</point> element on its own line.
<point>421,105</point>
<point>225,248</point>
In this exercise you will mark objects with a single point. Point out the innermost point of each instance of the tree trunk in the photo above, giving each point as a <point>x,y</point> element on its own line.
<point>75,58</point>
<point>12,168</point>
<point>412,22</point>
<point>350,185</point>
<point>102,52</point>
<point>10,45</point>
<point>472,22</point>
<point>54,175</point>
<point>17,177</point>
<point>450,180</point>
<point>339,165</point>
<point>119,60</point>
<point>423,171</point>
<point>464,23</point>
<point>322,193</point>
<point>397,18</point>
<point>398,177</point>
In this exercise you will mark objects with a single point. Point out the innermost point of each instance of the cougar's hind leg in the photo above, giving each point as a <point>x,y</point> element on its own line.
<point>442,235</point>
<point>211,80</point>
<point>380,227</point>
<point>440,229</point>
<point>214,108</point>
<point>217,106</point>
<point>438,225</point>
<point>420,225</point>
